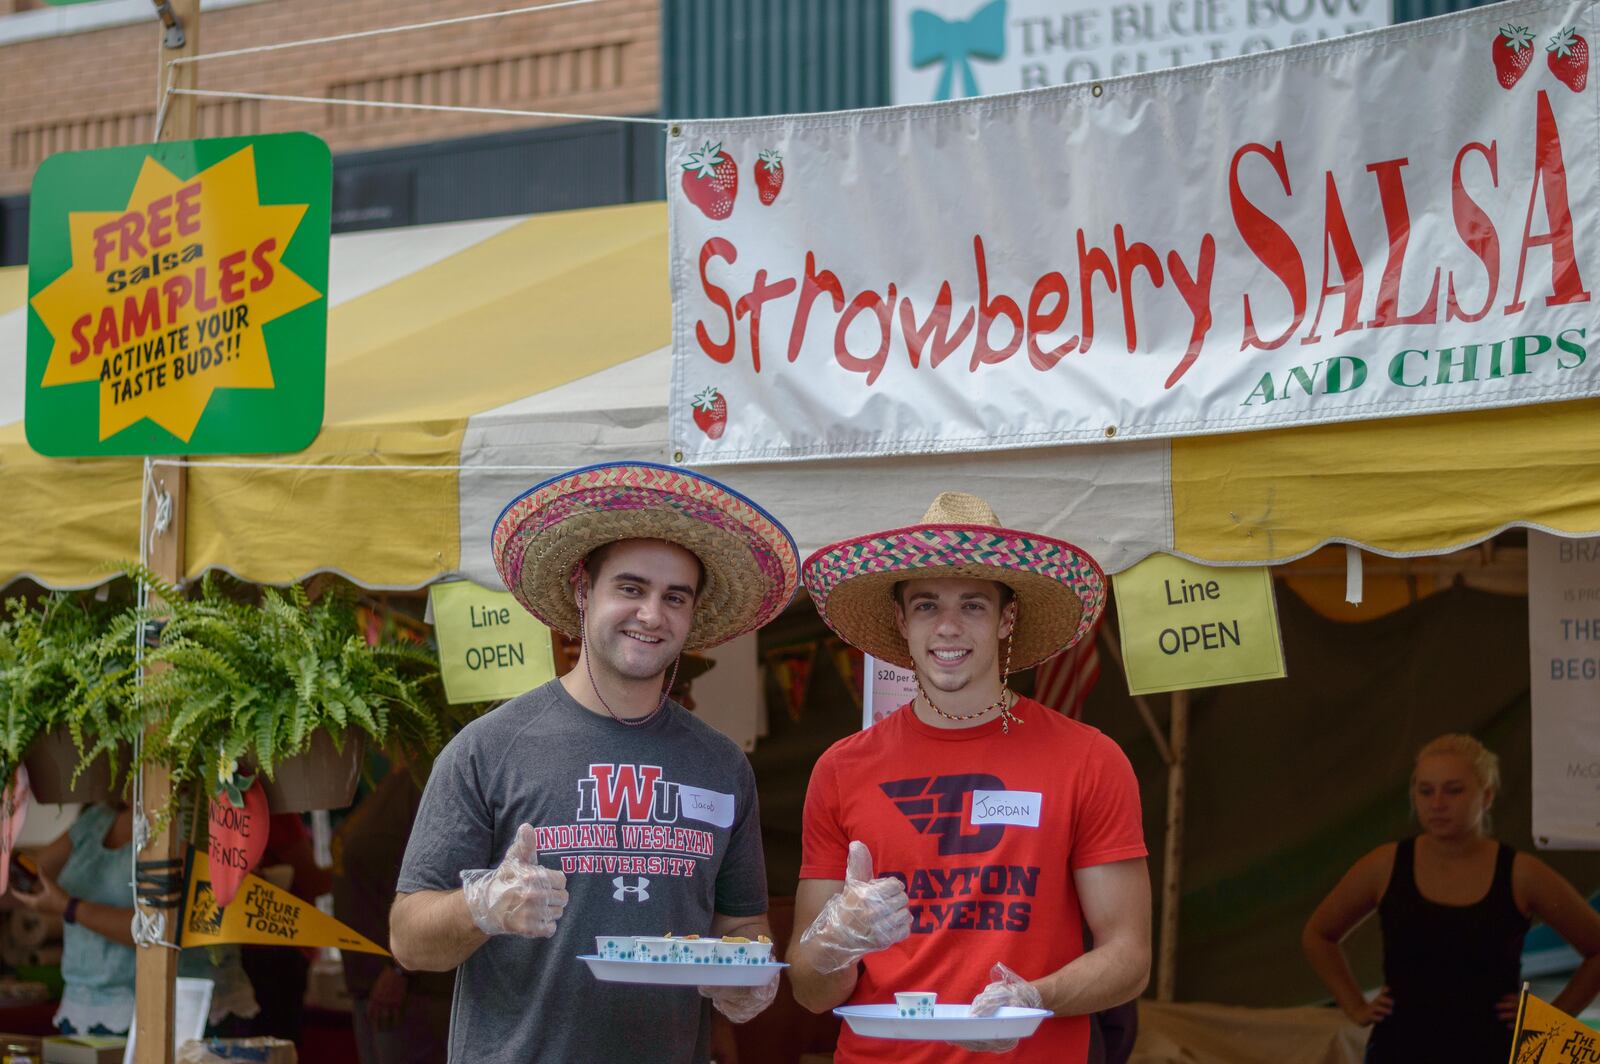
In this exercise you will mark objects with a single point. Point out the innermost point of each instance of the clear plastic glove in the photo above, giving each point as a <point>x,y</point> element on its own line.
<point>521,897</point>
<point>1006,988</point>
<point>741,1003</point>
<point>866,916</point>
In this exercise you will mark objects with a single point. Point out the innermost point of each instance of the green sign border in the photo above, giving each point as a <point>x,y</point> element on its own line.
<point>64,421</point>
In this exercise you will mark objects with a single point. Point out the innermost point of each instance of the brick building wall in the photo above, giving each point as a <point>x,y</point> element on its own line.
<point>98,88</point>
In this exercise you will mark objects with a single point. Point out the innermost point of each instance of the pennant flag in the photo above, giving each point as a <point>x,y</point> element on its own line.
<point>851,664</point>
<point>791,667</point>
<point>260,915</point>
<point>1063,682</point>
<point>1546,1035</point>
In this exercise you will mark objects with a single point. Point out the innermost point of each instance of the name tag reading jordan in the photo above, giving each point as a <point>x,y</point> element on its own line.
<point>1017,808</point>
<point>711,807</point>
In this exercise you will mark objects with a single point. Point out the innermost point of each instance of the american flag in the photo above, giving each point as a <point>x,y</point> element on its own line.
<point>1063,682</point>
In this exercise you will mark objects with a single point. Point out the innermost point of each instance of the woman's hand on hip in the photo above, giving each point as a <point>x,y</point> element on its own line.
<point>1370,1012</point>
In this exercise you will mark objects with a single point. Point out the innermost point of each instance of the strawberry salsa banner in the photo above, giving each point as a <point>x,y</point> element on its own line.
<point>178,297</point>
<point>1397,222</point>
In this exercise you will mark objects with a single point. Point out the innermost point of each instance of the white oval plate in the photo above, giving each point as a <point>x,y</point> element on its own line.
<point>678,973</point>
<point>949,1023</point>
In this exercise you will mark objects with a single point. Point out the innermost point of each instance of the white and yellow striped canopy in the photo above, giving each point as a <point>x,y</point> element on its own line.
<point>540,344</point>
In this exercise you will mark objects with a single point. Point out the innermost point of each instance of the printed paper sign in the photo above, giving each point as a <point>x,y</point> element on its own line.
<point>947,49</point>
<point>1564,648</point>
<point>710,807</point>
<point>886,688</point>
<point>1019,808</point>
<point>489,646</point>
<point>1250,244</point>
<point>1186,625</point>
<point>178,296</point>
<point>260,915</point>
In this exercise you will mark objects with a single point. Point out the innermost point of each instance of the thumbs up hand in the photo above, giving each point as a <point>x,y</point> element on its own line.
<point>866,916</point>
<point>521,897</point>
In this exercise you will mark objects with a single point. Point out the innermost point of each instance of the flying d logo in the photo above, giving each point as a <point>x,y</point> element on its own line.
<point>937,806</point>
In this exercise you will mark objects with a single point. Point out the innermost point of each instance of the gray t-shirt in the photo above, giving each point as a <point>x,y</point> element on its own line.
<point>656,828</point>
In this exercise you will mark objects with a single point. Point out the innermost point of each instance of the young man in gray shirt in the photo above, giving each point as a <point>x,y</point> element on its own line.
<point>594,805</point>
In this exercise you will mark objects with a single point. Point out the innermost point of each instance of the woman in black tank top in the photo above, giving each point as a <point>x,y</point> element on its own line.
<point>1454,906</point>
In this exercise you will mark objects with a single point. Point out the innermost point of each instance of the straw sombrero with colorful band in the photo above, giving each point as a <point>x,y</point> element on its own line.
<point>1060,590</point>
<point>751,568</point>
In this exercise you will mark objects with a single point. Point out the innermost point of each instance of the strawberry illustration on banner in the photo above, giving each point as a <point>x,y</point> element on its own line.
<point>711,180</point>
<point>711,412</point>
<point>769,175</point>
<point>1568,56</point>
<point>238,838</point>
<point>1513,52</point>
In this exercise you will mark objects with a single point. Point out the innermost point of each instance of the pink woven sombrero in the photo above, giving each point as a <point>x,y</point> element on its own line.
<point>1060,589</point>
<point>751,568</point>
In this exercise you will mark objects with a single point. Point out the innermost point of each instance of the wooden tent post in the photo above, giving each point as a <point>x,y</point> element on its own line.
<point>1172,859</point>
<point>156,971</point>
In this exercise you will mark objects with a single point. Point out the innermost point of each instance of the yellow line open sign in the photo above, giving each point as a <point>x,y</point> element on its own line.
<point>1186,625</point>
<point>489,646</point>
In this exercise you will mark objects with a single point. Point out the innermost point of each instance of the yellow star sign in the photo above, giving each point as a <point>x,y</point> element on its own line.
<point>165,301</point>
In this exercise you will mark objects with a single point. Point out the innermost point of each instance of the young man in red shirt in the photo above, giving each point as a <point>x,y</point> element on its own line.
<point>963,844</point>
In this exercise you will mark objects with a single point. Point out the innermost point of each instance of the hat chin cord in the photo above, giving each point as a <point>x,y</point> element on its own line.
<point>1001,703</point>
<point>583,641</point>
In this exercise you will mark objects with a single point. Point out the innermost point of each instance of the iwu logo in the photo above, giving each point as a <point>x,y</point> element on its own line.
<point>637,792</point>
<point>623,890</point>
<point>936,806</point>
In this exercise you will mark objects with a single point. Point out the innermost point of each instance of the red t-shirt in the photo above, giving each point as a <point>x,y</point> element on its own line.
<point>986,829</point>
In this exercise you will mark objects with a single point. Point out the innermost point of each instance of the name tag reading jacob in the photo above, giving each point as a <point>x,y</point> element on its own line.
<point>710,807</point>
<point>1017,808</point>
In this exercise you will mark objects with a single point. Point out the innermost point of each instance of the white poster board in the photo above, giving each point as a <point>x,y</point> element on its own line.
<point>885,688</point>
<point>1564,647</point>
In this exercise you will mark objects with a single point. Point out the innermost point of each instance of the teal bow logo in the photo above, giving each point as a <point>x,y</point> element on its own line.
<point>934,40</point>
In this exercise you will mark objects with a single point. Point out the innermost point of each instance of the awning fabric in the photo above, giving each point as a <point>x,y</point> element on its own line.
<point>540,344</point>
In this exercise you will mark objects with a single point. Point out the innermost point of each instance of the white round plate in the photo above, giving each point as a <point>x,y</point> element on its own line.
<point>677,973</point>
<point>949,1023</point>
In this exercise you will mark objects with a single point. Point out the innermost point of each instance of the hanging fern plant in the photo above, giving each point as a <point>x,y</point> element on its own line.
<point>66,660</point>
<point>232,681</point>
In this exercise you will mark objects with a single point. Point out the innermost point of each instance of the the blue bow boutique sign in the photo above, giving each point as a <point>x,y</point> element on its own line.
<point>950,49</point>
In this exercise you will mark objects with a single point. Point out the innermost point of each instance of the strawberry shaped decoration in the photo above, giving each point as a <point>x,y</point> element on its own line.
<point>711,413</point>
<point>1568,56</point>
<point>1513,51</point>
<point>238,829</point>
<point>769,175</point>
<point>711,180</point>
<point>15,811</point>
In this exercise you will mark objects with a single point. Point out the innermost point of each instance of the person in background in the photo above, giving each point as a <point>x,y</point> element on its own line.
<point>279,973</point>
<point>1454,905</point>
<point>400,1017</point>
<point>84,879</point>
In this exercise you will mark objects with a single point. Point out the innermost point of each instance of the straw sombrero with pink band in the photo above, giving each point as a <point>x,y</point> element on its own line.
<point>1060,590</point>
<point>751,568</point>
